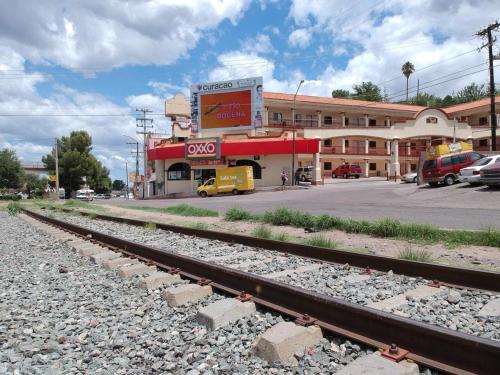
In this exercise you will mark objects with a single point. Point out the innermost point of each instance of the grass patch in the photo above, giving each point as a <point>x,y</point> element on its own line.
<point>199,226</point>
<point>150,226</point>
<point>238,214</point>
<point>321,241</point>
<point>13,208</point>
<point>74,203</point>
<point>92,216</point>
<point>386,228</point>
<point>263,231</point>
<point>415,255</point>
<point>181,210</point>
<point>281,237</point>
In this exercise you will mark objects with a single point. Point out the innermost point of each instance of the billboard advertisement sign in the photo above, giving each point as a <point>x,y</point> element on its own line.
<point>202,148</point>
<point>228,105</point>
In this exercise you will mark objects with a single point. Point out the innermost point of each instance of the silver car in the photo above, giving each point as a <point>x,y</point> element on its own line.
<point>471,174</point>
<point>409,177</point>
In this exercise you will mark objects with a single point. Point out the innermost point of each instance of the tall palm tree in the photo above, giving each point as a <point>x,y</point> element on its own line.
<point>407,70</point>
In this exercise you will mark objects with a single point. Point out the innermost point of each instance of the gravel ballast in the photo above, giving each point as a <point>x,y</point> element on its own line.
<point>61,313</point>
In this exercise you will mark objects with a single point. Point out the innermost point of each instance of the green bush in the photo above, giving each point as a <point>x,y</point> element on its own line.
<point>263,231</point>
<point>321,241</point>
<point>280,237</point>
<point>14,197</point>
<point>181,209</point>
<point>93,216</point>
<point>237,214</point>
<point>415,255</point>
<point>13,208</point>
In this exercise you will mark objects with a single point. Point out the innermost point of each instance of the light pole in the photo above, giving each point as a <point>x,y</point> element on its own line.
<point>126,174</point>
<point>292,174</point>
<point>136,143</point>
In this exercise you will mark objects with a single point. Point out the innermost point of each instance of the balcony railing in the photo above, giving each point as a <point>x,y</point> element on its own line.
<point>288,123</point>
<point>336,150</point>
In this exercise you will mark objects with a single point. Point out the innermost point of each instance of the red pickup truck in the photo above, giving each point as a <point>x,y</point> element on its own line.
<point>347,170</point>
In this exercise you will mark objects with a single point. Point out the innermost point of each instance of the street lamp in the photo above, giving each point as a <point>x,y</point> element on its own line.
<point>292,174</point>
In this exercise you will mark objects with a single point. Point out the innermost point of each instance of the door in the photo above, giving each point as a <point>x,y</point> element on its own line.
<point>210,187</point>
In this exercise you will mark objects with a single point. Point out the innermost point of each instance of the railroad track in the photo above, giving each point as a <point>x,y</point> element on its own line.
<point>427,344</point>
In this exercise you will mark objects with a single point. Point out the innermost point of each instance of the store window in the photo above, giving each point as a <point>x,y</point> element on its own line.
<point>372,122</point>
<point>327,166</point>
<point>483,143</point>
<point>257,169</point>
<point>328,120</point>
<point>179,171</point>
<point>327,143</point>
<point>373,166</point>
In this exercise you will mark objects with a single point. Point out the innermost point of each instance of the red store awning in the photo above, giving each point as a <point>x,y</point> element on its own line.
<point>240,147</point>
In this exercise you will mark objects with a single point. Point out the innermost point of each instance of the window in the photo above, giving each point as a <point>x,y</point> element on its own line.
<point>372,122</point>
<point>346,143</point>
<point>483,143</point>
<point>327,143</point>
<point>458,159</point>
<point>446,161</point>
<point>347,120</point>
<point>277,116</point>
<point>372,144</point>
<point>328,120</point>
<point>257,169</point>
<point>430,164</point>
<point>413,167</point>
<point>475,156</point>
<point>483,120</point>
<point>431,120</point>
<point>373,166</point>
<point>327,166</point>
<point>298,117</point>
<point>179,171</point>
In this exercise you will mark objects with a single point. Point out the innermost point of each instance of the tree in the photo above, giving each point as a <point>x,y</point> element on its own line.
<point>118,185</point>
<point>407,70</point>
<point>339,93</point>
<point>35,184</point>
<point>11,171</point>
<point>424,99</point>
<point>447,101</point>
<point>367,91</point>
<point>77,165</point>
<point>470,93</point>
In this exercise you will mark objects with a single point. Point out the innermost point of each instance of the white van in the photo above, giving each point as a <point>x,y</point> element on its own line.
<point>85,194</point>
<point>62,193</point>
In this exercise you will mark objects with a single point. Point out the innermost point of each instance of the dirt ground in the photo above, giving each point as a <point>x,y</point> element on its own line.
<point>478,257</point>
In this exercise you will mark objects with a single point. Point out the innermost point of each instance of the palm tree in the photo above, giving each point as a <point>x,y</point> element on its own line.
<point>407,70</point>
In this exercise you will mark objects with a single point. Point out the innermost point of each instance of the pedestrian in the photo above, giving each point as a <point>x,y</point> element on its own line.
<point>297,177</point>
<point>284,179</point>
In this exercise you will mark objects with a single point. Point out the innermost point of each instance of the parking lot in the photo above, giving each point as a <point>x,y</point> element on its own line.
<point>457,206</point>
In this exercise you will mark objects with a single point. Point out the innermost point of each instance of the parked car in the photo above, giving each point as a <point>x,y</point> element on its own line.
<point>472,174</point>
<point>490,175</point>
<point>100,196</point>
<point>304,174</point>
<point>347,170</point>
<point>409,177</point>
<point>445,169</point>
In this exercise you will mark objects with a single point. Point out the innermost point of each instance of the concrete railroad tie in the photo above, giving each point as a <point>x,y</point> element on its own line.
<point>283,340</point>
<point>158,279</point>
<point>375,364</point>
<point>118,263</point>
<point>99,258</point>
<point>91,249</point>
<point>186,294</point>
<point>135,269</point>
<point>224,312</point>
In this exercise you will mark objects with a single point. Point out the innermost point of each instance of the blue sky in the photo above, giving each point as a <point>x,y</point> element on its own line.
<point>60,59</point>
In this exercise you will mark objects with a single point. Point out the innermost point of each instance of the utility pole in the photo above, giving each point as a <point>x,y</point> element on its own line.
<point>487,33</point>
<point>57,170</point>
<point>126,174</point>
<point>144,123</point>
<point>136,154</point>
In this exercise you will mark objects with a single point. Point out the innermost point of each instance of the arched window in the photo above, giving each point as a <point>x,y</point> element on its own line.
<point>179,171</point>
<point>257,169</point>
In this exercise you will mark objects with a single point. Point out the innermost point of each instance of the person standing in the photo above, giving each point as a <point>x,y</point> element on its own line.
<point>284,179</point>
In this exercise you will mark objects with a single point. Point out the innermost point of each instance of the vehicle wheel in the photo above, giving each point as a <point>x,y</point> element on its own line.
<point>334,175</point>
<point>235,192</point>
<point>303,179</point>
<point>449,180</point>
<point>357,176</point>
<point>203,194</point>
<point>414,179</point>
<point>345,176</point>
<point>433,184</point>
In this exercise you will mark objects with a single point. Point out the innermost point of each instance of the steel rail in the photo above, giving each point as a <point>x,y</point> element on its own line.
<point>461,277</point>
<point>433,346</point>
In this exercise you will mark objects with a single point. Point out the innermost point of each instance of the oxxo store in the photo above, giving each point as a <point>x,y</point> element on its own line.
<point>180,167</point>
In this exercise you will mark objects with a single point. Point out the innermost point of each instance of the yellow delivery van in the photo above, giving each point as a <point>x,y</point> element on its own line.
<point>235,180</point>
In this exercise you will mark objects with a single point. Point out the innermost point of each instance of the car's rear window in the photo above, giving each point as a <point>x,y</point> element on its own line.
<point>355,166</point>
<point>430,164</point>
<point>481,162</point>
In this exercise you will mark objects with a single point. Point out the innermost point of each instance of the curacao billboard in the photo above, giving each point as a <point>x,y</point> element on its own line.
<point>228,105</point>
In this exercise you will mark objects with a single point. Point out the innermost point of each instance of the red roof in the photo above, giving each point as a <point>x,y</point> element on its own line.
<point>470,105</point>
<point>342,102</point>
<point>240,147</point>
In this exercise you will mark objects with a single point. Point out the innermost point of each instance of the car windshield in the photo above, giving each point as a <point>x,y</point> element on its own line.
<point>482,162</point>
<point>355,166</point>
<point>430,164</point>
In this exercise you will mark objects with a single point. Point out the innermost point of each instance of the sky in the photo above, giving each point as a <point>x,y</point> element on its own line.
<point>88,64</point>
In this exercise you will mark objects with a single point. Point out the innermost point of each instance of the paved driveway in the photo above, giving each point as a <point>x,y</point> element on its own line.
<point>458,206</point>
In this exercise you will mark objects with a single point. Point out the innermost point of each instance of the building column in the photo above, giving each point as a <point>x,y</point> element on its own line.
<point>194,184</point>
<point>343,145</point>
<point>367,168</point>
<point>395,167</point>
<point>317,179</point>
<point>367,146</point>
<point>266,116</point>
<point>388,147</point>
<point>408,148</point>
<point>387,121</point>
<point>367,121</point>
<point>320,118</point>
<point>388,166</point>
<point>408,166</point>
<point>343,119</point>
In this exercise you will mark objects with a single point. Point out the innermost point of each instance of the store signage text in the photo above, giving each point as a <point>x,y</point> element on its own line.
<point>202,149</point>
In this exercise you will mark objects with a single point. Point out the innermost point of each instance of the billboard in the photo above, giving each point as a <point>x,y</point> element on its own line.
<point>228,105</point>
<point>207,148</point>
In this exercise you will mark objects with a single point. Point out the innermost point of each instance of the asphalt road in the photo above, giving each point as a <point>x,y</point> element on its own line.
<point>458,206</point>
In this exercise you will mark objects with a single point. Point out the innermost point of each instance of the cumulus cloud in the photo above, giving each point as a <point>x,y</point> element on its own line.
<point>94,35</point>
<point>259,44</point>
<point>300,38</point>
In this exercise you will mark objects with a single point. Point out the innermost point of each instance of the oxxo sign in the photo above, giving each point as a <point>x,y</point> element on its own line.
<point>208,148</point>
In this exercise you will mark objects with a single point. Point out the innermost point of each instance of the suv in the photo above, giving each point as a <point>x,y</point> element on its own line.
<point>304,174</point>
<point>347,170</point>
<point>445,169</point>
